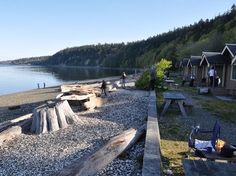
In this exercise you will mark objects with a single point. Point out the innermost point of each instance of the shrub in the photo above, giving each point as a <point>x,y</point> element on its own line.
<point>143,81</point>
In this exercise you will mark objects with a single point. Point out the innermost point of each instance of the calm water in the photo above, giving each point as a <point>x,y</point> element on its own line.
<point>21,78</point>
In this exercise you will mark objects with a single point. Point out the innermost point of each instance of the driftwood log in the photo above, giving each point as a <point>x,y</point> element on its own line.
<point>80,89</point>
<point>16,121</point>
<point>10,133</point>
<point>105,155</point>
<point>52,117</point>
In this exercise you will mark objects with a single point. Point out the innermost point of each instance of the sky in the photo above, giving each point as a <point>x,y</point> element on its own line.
<point>43,27</point>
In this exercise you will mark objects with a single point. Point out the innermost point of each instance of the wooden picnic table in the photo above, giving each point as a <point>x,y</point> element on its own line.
<point>202,167</point>
<point>176,97</point>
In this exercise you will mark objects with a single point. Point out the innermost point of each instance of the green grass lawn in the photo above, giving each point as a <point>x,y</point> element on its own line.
<point>222,109</point>
<point>173,141</point>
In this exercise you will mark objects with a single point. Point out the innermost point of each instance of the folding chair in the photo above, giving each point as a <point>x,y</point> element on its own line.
<point>204,144</point>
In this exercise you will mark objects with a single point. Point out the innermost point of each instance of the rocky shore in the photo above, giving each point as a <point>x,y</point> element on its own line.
<point>47,154</point>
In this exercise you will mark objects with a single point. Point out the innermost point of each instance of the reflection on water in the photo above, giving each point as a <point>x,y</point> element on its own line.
<point>21,78</point>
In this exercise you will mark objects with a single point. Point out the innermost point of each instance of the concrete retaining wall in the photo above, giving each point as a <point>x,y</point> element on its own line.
<point>152,157</point>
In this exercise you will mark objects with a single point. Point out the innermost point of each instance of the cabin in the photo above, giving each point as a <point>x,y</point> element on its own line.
<point>186,71</point>
<point>216,60</point>
<point>229,83</point>
<point>195,68</point>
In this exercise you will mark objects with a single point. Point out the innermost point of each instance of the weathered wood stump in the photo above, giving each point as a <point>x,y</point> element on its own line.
<point>52,117</point>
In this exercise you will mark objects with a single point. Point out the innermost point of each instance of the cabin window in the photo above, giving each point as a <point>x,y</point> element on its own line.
<point>234,71</point>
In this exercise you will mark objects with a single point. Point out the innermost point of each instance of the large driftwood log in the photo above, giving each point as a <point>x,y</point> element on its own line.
<point>16,121</point>
<point>10,133</point>
<point>105,155</point>
<point>79,89</point>
<point>76,97</point>
<point>52,117</point>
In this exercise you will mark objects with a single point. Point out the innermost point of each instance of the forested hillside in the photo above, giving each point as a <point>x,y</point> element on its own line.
<point>208,35</point>
<point>33,60</point>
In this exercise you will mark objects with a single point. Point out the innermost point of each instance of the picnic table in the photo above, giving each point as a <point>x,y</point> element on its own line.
<point>171,97</point>
<point>202,167</point>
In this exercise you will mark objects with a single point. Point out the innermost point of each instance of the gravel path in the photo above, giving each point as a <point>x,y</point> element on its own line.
<point>48,153</point>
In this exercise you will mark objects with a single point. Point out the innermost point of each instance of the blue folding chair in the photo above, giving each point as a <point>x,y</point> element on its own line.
<point>192,143</point>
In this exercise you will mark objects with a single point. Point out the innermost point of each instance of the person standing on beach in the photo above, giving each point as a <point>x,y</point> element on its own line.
<point>104,87</point>
<point>123,77</point>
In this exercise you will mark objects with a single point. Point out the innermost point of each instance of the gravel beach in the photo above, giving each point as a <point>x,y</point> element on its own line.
<point>47,154</point>
<point>27,101</point>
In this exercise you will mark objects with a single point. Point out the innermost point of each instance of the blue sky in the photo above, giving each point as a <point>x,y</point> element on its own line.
<point>43,27</point>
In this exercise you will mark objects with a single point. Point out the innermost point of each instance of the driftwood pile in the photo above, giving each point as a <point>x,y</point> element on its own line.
<point>83,96</point>
<point>53,116</point>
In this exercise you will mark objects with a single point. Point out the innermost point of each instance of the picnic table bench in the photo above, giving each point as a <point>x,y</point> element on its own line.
<point>202,167</point>
<point>188,104</point>
<point>171,97</point>
<point>169,82</point>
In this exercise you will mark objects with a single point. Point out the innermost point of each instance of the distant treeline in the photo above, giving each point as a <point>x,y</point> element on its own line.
<point>208,35</point>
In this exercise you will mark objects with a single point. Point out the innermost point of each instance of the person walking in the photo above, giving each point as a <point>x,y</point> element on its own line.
<point>212,74</point>
<point>123,77</point>
<point>104,87</point>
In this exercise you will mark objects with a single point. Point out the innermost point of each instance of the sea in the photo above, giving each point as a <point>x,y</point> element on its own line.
<point>18,78</point>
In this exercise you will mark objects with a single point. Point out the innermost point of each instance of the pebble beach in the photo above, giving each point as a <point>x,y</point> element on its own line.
<point>47,154</point>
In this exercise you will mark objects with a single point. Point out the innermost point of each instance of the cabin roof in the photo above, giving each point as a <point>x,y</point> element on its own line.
<point>213,58</point>
<point>217,59</point>
<point>208,54</point>
<point>195,60</point>
<point>232,48</point>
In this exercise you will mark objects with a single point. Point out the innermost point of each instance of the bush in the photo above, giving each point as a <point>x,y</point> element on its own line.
<point>143,81</point>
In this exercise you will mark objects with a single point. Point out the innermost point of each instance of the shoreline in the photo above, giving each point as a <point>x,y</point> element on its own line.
<point>87,81</point>
<point>28,100</point>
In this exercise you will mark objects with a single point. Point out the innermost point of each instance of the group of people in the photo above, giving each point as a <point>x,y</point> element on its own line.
<point>104,84</point>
